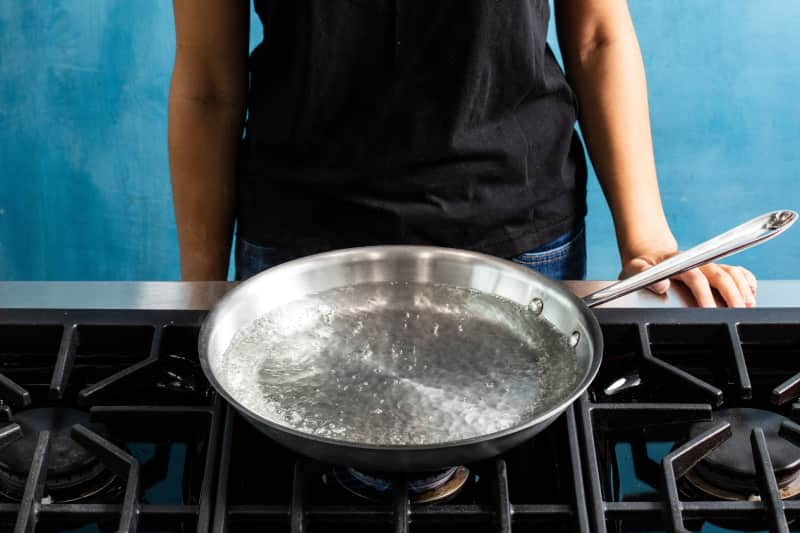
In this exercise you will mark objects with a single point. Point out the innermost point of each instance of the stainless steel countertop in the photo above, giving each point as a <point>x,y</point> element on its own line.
<point>203,295</point>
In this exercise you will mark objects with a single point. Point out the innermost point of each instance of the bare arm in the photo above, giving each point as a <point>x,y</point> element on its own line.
<point>604,65</point>
<point>207,102</point>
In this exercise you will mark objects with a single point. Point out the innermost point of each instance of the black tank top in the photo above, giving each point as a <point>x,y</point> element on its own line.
<point>442,122</point>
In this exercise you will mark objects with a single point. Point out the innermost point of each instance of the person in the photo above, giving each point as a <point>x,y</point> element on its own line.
<point>443,123</point>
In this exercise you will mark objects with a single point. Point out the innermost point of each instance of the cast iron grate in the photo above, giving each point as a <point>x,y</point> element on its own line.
<point>137,375</point>
<point>663,371</point>
<point>616,461</point>
<point>536,487</point>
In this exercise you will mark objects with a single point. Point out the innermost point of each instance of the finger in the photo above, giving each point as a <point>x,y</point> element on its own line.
<point>639,265</point>
<point>751,279</point>
<point>697,283</point>
<point>739,277</point>
<point>724,283</point>
<point>660,287</point>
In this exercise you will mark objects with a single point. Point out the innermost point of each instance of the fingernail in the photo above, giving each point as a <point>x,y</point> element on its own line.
<point>660,287</point>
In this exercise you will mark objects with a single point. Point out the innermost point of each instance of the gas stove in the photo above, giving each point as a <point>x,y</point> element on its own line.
<point>108,424</point>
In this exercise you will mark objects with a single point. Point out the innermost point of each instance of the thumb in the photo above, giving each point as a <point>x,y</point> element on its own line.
<point>640,264</point>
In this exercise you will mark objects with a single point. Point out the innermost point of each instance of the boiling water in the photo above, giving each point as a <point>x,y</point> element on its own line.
<point>398,363</point>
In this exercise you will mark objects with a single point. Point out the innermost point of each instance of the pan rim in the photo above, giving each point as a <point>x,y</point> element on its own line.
<point>559,407</point>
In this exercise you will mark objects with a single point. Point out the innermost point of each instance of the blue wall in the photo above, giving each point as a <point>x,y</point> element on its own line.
<point>84,183</point>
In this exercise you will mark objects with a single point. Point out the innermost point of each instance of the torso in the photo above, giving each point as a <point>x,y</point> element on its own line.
<point>390,121</point>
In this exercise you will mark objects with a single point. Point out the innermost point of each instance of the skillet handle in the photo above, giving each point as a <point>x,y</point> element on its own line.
<point>749,234</point>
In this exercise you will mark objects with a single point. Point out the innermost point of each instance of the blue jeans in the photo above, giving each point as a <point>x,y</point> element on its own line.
<point>561,258</point>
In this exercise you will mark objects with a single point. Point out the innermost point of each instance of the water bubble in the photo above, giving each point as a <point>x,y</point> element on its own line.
<point>309,363</point>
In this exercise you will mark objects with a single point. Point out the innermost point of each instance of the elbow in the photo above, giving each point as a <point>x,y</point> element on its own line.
<point>589,49</point>
<point>209,96</point>
<point>590,30</point>
<point>208,88</point>
<point>601,39</point>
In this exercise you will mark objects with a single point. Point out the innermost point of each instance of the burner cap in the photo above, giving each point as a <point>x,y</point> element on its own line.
<point>424,487</point>
<point>72,471</point>
<point>731,466</point>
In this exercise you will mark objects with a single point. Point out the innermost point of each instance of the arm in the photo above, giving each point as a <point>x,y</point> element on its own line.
<point>604,65</point>
<point>207,102</point>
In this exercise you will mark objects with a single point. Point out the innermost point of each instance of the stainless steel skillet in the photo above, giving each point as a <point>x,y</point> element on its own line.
<point>411,358</point>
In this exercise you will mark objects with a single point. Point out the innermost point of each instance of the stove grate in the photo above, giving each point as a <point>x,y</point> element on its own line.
<point>681,367</point>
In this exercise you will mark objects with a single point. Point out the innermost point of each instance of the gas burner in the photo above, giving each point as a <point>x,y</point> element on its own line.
<point>429,487</point>
<point>729,473</point>
<point>73,474</point>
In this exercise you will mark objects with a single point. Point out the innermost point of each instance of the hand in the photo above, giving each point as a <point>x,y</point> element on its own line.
<point>736,284</point>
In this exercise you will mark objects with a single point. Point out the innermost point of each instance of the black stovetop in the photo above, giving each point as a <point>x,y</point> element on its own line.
<point>162,453</point>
